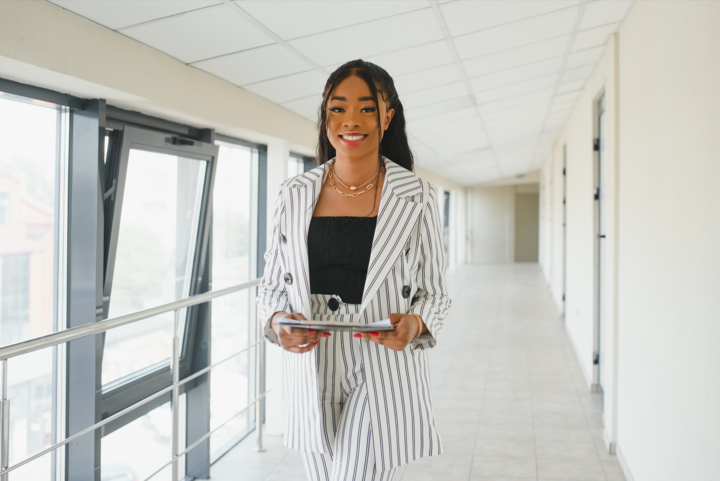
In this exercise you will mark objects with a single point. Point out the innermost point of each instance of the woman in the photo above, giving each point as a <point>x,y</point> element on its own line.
<point>357,239</point>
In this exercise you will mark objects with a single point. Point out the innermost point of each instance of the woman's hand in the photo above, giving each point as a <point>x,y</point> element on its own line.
<point>295,339</point>
<point>407,328</point>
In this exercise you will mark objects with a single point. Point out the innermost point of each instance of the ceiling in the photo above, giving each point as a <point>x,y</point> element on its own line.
<point>486,85</point>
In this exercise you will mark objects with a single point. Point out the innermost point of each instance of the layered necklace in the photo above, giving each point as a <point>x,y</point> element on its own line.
<point>365,186</point>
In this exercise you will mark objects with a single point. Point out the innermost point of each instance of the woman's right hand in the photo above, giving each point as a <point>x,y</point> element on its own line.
<point>295,339</point>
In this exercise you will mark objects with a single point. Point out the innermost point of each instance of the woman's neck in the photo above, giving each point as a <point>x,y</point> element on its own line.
<point>356,171</point>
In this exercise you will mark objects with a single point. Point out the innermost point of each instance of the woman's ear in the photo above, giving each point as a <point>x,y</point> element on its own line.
<point>389,114</point>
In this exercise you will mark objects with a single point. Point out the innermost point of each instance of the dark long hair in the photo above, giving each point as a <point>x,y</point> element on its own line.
<point>394,144</point>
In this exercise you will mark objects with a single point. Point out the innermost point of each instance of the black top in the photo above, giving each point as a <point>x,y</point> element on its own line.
<point>339,255</point>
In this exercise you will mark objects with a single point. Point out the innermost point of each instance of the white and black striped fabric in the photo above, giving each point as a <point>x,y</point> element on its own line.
<point>349,454</point>
<point>406,275</point>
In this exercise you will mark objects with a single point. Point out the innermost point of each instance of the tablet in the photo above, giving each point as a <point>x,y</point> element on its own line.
<point>384,325</point>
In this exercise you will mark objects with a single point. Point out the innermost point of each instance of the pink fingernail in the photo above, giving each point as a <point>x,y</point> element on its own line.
<point>316,343</point>
<point>311,331</point>
<point>357,334</point>
<point>326,334</point>
<point>376,334</point>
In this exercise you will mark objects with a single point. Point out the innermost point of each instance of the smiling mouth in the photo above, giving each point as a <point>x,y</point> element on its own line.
<point>352,139</point>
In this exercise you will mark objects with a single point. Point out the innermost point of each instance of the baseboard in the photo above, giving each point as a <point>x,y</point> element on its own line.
<point>623,465</point>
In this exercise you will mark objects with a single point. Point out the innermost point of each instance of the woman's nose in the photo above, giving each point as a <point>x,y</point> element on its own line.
<point>350,119</point>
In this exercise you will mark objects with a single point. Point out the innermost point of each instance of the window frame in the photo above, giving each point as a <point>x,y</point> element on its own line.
<point>90,188</point>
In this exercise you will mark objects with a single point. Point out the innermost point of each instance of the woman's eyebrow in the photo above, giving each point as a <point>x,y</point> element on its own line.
<point>344,99</point>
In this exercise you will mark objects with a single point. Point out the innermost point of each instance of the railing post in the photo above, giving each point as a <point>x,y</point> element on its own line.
<point>175,398</point>
<point>259,397</point>
<point>4,422</point>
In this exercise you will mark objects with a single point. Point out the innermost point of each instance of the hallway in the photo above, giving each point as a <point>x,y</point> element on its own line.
<point>509,396</point>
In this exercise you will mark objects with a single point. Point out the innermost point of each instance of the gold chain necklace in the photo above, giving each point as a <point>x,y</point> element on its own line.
<point>351,187</point>
<point>331,178</point>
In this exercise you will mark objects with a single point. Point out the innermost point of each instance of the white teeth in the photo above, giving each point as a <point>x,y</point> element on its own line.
<point>352,138</point>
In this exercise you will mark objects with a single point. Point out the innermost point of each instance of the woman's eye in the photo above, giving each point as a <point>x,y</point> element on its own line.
<point>335,109</point>
<point>369,109</point>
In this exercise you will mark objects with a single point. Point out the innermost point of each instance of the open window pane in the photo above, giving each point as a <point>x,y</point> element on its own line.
<point>233,254</point>
<point>153,265</point>
<point>32,165</point>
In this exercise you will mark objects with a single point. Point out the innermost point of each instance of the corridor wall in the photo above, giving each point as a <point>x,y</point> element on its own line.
<point>661,404</point>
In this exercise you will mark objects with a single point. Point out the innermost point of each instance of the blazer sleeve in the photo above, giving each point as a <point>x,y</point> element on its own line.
<point>431,301</point>
<point>272,294</point>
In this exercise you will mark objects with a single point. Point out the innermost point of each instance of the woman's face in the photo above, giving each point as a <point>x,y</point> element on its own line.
<point>352,126</point>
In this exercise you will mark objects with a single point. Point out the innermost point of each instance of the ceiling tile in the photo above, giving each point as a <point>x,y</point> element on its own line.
<point>586,57</point>
<point>465,17</point>
<point>581,73</point>
<point>292,87</point>
<point>467,124</point>
<point>601,12</point>
<point>422,98</point>
<point>568,97</point>
<point>116,14</point>
<point>201,34</point>
<point>532,98</point>
<point>516,75</point>
<point>516,57</point>
<point>536,116</point>
<point>458,115</point>
<point>291,18</point>
<point>307,107</point>
<point>426,79</point>
<point>371,38</point>
<point>255,65</point>
<point>413,59</point>
<point>516,34</point>
<point>541,87</point>
<point>439,108</point>
<point>510,111</point>
<point>475,138</point>
<point>570,86</point>
<point>594,37</point>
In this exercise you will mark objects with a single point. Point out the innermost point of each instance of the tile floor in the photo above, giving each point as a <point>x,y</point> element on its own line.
<point>509,396</point>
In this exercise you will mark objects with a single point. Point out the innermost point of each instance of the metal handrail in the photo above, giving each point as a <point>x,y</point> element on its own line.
<point>73,333</point>
<point>66,335</point>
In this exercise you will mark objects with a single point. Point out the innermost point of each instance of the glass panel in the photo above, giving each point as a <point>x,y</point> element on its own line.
<point>296,166</point>
<point>141,447</point>
<point>32,142</point>
<point>155,254</point>
<point>233,254</point>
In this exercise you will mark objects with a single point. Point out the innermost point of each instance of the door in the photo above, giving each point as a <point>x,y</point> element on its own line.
<point>601,242</point>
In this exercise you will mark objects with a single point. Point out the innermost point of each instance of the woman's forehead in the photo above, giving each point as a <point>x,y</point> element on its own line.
<point>353,87</point>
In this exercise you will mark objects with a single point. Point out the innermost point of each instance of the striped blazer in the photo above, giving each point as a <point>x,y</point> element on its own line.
<point>406,275</point>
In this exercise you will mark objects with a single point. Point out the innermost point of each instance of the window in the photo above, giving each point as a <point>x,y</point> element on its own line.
<point>156,245</point>
<point>33,138</point>
<point>233,317</point>
<point>296,166</point>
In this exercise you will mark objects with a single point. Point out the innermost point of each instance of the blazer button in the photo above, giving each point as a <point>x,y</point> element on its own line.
<point>333,304</point>
<point>282,237</point>
<point>288,278</point>
<point>406,292</point>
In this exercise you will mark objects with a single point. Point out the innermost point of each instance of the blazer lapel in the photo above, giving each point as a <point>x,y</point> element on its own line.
<point>303,194</point>
<point>400,206</point>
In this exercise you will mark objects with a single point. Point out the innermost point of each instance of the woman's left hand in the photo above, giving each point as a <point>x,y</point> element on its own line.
<point>407,328</point>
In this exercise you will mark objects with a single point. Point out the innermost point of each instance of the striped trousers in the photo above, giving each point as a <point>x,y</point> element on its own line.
<point>347,431</point>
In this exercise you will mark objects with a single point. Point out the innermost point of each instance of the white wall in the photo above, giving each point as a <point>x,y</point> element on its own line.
<point>491,221</point>
<point>660,74</point>
<point>577,276</point>
<point>669,285</point>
